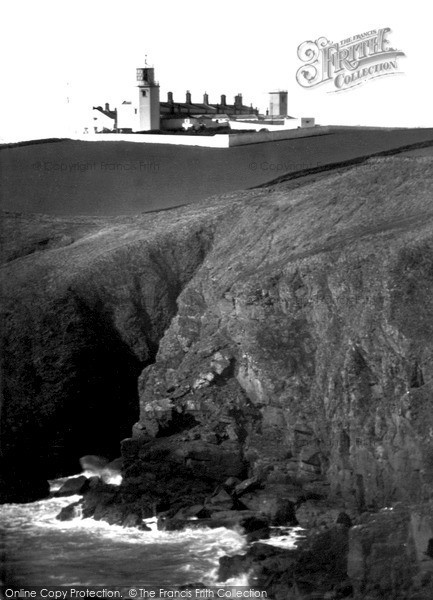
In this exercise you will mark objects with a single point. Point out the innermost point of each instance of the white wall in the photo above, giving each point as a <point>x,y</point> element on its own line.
<point>258,125</point>
<point>95,120</point>
<point>127,118</point>
<point>102,121</point>
<point>216,141</point>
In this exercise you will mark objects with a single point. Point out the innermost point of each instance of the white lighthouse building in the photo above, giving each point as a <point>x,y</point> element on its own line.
<point>146,113</point>
<point>148,99</point>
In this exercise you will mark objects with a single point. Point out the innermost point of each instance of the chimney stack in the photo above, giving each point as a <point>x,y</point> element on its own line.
<point>107,106</point>
<point>170,97</point>
<point>188,97</point>
<point>205,98</point>
<point>238,101</point>
<point>223,100</point>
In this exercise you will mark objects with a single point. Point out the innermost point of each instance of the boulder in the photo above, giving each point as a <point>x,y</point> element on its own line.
<point>316,513</point>
<point>230,483</point>
<point>132,520</point>
<point>76,485</point>
<point>221,501</point>
<point>254,525</point>
<point>113,514</point>
<point>98,498</point>
<point>247,485</point>
<point>72,511</point>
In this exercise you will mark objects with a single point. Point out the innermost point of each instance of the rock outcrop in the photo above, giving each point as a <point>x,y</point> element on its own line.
<point>303,344</point>
<point>283,335</point>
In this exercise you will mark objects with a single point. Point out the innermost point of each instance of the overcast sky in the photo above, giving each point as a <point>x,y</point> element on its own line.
<point>87,51</point>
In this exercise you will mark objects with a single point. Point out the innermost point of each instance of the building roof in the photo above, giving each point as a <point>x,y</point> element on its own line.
<point>250,116</point>
<point>213,116</point>
<point>108,113</point>
<point>277,119</point>
<point>192,108</point>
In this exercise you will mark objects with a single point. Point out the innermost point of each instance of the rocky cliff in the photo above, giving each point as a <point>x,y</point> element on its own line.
<point>282,334</point>
<point>302,346</point>
<point>85,304</point>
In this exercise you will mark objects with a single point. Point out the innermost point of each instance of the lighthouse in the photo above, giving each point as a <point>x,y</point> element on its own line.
<point>148,99</point>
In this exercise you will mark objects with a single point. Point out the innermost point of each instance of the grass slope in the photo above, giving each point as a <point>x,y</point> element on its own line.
<point>114,178</point>
<point>328,208</point>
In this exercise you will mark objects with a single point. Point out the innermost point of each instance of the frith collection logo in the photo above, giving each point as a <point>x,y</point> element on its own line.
<point>348,63</point>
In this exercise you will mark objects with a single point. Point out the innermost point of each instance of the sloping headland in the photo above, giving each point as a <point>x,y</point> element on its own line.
<point>68,177</point>
<point>280,335</point>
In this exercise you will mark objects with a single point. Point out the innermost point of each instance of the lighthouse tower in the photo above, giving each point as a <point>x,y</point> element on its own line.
<point>148,99</point>
<point>278,104</point>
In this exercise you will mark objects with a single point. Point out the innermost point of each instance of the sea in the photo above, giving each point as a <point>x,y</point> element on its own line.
<point>36,549</point>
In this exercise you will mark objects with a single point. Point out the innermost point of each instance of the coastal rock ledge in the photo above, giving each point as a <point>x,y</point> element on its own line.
<point>281,337</point>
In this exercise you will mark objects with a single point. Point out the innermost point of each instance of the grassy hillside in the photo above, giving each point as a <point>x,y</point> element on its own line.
<point>114,178</point>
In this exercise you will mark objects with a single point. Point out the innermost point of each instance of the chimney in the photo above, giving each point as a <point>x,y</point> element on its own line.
<point>238,101</point>
<point>170,97</point>
<point>205,98</point>
<point>223,100</point>
<point>107,106</point>
<point>188,97</point>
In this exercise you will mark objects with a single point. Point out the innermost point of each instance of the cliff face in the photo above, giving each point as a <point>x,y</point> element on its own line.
<point>294,327</point>
<point>282,334</point>
<point>302,347</point>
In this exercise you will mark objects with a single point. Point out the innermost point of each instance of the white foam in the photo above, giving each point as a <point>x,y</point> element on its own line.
<point>152,523</point>
<point>200,548</point>
<point>287,540</point>
<point>113,479</point>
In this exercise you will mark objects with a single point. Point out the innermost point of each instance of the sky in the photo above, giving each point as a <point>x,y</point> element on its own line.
<point>62,58</point>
